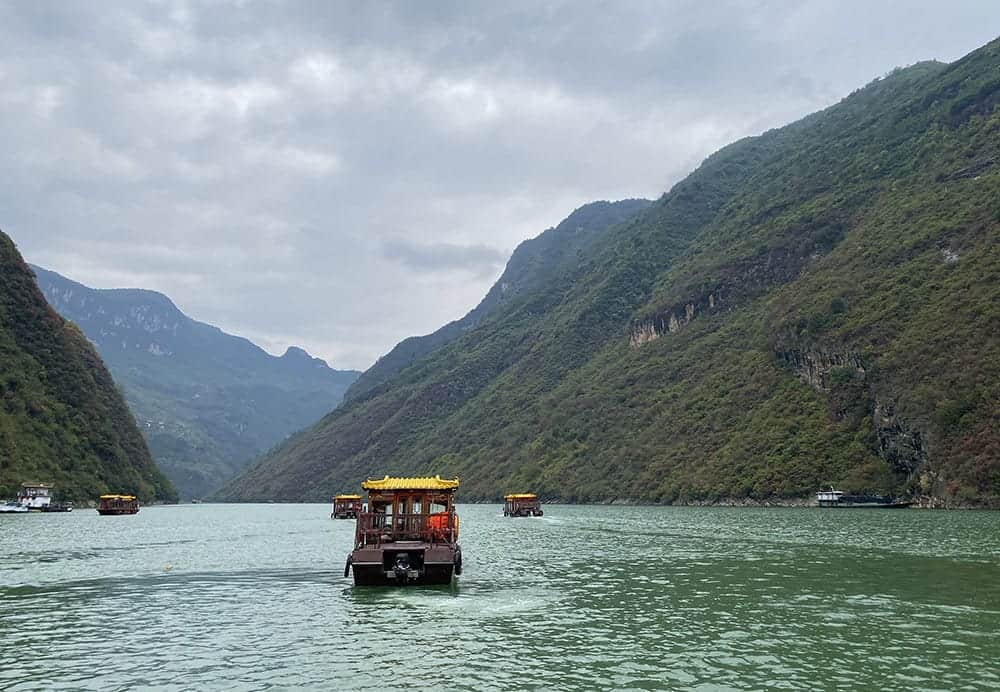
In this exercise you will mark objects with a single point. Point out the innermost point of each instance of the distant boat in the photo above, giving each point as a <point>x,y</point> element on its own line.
<point>34,497</point>
<point>346,507</point>
<point>112,505</point>
<point>522,505</point>
<point>835,498</point>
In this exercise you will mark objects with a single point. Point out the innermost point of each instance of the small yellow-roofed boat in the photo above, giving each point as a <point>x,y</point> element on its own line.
<point>346,507</point>
<point>112,505</point>
<point>522,505</point>
<point>407,533</point>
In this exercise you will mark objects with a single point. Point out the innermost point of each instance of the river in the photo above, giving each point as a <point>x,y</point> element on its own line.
<point>252,597</point>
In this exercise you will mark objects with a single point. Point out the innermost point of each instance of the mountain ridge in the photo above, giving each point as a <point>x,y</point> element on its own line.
<point>786,317</point>
<point>208,402</point>
<point>542,253</point>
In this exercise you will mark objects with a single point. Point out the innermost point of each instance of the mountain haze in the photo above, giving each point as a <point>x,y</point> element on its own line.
<point>817,305</point>
<point>207,402</point>
<point>62,420</point>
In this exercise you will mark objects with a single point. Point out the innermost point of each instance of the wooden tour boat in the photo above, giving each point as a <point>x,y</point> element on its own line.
<point>118,504</point>
<point>408,534</point>
<point>346,507</point>
<point>522,505</point>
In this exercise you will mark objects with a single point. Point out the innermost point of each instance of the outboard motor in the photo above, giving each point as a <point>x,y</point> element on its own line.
<point>402,568</point>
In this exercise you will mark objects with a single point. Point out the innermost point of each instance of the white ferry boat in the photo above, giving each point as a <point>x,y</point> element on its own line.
<point>836,498</point>
<point>34,497</point>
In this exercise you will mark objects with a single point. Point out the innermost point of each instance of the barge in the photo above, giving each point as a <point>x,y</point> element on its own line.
<point>346,507</point>
<point>114,505</point>
<point>835,498</point>
<point>407,534</point>
<point>522,505</point>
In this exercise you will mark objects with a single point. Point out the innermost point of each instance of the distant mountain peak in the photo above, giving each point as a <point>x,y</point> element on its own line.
<point>299,354</point>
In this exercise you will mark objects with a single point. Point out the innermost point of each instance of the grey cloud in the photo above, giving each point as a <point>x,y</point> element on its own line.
<point>255,161</point>
<point>476,259</point>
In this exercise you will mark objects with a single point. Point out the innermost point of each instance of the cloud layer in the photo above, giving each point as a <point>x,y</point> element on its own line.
<point>343,175</point>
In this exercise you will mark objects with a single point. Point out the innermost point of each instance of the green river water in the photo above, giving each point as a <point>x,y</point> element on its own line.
<point>253,597</point>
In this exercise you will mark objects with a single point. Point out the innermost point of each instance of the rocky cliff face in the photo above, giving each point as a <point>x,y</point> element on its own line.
<point>843,377</point>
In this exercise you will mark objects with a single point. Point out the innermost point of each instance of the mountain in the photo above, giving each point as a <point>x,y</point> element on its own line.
<point>208,402</point>
<point>62,420</point>
<point>816,305</point>
<point>530,264</point>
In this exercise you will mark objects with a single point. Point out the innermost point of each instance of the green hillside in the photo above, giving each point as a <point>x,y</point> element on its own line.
<point>532,263</point>
<point>817,305</point>
<point>62,420</point>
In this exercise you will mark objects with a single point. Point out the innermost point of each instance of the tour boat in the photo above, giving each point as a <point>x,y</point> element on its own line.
<point>118,504</point>
<point>346,507</point>
<point>835,498</point>
<point>408,533</point>
<point>522,505</point>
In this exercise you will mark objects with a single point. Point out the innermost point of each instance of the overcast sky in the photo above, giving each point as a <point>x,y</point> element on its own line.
<point>342,175</point>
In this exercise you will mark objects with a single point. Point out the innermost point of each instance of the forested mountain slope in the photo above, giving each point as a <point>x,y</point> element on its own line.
<point>62,420</point>
<point>207,402</point>
<point>531,264</point>
<point>817,305</point>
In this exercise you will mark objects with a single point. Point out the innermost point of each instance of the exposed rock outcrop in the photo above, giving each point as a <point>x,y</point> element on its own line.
<point>902,446</point>
<point>815,367</point>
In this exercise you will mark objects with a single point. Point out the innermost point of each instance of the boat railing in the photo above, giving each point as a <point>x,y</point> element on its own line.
<point>375,528</point>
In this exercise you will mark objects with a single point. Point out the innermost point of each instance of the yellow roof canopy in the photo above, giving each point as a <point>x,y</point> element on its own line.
<point>346,497</point>
<point>118,497</point>
<point>521,496</point>
<point>425,483</point>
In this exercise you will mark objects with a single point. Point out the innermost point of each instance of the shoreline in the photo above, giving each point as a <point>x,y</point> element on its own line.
<point>924,502</point>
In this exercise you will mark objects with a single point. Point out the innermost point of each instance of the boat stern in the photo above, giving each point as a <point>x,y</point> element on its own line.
<point>404,564</point>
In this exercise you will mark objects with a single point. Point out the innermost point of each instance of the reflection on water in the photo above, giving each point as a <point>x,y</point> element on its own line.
<point>252,597</point>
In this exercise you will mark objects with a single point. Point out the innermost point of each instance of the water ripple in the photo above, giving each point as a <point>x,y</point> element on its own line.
<point>252,598</point>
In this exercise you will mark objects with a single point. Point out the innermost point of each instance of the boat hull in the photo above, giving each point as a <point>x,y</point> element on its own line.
<point>429,565</point>
<point>524,513</point>
<point>866,505</point>
<point>116,512</point>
